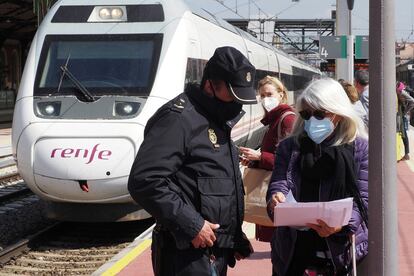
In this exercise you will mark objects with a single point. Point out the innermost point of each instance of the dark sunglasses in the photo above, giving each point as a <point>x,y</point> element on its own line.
<point>318,114</point>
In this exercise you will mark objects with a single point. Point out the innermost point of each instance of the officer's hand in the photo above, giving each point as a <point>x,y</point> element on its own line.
<point>243,248</point>
<point>206,236</point>
<point>276,199</point>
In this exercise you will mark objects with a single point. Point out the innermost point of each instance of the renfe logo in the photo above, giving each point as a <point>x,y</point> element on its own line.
<point>82,153</point>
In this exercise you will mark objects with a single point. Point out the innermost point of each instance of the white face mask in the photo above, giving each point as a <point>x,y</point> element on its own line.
<point>270,102</point>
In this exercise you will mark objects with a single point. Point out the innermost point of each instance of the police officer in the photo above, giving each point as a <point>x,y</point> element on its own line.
<point>186,173</point>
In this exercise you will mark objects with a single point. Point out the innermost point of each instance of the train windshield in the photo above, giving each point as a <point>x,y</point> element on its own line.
<point>103,64</point>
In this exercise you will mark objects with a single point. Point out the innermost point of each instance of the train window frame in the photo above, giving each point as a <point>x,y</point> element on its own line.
<point>157,38</point>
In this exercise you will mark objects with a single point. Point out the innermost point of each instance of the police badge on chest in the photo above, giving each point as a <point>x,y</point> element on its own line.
<point>213,138</point>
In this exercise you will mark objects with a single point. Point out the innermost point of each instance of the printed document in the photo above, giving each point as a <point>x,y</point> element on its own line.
<point>334,213</point>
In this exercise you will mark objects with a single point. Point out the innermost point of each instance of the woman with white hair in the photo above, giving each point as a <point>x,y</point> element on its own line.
<point>326,158</point>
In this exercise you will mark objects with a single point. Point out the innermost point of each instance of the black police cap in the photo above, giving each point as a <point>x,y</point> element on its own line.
<point>230,65</point>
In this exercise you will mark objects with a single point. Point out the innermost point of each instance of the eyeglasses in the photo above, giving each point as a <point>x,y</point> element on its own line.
<point>318,114</point>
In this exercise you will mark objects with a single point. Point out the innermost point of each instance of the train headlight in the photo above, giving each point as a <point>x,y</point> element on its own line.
<point>117,13</point>
<point>49,109</point>
<point>108,14</point>
<point>126,108</point>
<point>105,13</point>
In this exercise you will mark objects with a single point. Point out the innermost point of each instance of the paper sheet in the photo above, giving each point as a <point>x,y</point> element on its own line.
<point>334,213</point>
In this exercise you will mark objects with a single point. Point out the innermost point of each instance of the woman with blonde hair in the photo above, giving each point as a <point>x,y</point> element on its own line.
<point>353,96</point>
<point>279,116</point>
<point>324,159</point>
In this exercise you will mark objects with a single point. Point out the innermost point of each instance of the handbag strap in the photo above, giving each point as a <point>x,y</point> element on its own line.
<point>279,125</point>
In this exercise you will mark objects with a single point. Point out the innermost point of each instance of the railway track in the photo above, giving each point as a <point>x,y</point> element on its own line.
<point>11,184</point>
<point>69,248</point>
<point>13,192</point>
<point>8,169</point>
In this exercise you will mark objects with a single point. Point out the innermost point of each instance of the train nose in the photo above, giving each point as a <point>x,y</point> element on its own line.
<point>62,165</point>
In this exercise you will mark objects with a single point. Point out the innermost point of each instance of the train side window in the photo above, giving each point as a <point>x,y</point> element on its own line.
<point>194,70</point>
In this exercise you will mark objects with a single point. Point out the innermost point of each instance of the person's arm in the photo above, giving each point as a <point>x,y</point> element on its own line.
<point>278,182</point>
<point>267,159</point>
<point>150,182</point>
<point>365,100</point>
<point>362,185</point>
<point>408,101</point>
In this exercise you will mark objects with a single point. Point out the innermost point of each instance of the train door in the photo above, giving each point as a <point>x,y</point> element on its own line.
<point>258,57</point>
<point>195,64</point>
<point>274,66</point>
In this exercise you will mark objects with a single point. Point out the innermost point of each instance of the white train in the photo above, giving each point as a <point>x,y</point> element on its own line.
<point>95,74</point>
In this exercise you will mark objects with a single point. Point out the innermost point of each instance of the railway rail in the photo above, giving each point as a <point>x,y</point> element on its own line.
<point>8,169</point>
<point>69,248</point>
<point>11,184</point>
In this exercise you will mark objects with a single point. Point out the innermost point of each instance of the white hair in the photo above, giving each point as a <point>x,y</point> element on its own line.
<point>328,95</point>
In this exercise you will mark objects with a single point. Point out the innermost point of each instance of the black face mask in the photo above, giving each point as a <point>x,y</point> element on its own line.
<point>225,111</point>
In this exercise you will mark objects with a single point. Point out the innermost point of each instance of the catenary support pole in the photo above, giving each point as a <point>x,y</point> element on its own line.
<point>383,228</point>
<point>350,46</point>
<point>342,28</point>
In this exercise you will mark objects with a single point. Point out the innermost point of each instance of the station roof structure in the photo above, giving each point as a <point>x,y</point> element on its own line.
<point>295,36</point>
<point>17,20</point>
<point>302,35</point>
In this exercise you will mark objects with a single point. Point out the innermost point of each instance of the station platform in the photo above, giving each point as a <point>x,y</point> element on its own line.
<point>139,262</point>
<point>260,264</point>
<point>5,141</point>
<point>136,258</point>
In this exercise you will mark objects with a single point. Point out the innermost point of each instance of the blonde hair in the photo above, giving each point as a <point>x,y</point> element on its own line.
<point>328,95</point>
<point>276,84</point>
<point>350,91</point>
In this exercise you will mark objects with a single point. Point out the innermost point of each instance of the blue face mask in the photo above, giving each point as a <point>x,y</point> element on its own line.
<point>318,130</point>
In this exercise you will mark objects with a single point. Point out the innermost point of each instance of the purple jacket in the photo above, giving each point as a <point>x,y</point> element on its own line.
<point>286,176</point>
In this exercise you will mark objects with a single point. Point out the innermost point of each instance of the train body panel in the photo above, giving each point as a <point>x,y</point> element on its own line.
<point>89,88</point>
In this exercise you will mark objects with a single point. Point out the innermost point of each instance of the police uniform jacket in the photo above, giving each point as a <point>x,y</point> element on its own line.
<point>186,170</point>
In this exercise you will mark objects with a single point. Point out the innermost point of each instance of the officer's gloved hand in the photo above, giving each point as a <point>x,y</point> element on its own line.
<point>243,249</point>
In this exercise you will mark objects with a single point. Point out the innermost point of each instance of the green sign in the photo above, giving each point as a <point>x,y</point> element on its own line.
<point>332,47</point>
<point>361,47</point>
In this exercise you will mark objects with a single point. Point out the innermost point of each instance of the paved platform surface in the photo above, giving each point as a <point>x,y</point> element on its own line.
<point>259,263</point>
<point>405,182</point>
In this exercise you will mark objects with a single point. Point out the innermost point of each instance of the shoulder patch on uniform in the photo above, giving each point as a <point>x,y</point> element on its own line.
<point>178,104</point>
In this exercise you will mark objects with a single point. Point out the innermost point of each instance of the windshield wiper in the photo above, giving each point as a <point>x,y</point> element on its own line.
<point>88,96</point>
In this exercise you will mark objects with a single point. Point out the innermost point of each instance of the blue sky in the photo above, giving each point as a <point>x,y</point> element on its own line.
<point>314,9</point>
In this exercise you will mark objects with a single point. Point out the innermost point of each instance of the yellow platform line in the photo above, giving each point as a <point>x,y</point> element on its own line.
<point>123,262</point>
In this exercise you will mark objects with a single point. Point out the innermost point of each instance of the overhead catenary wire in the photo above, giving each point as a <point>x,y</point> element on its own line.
<point>237,6</point>
<point>261,20</point>
<point>236,12</point>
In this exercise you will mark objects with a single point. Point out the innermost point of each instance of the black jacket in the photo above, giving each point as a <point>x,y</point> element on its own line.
<point>187,170</point>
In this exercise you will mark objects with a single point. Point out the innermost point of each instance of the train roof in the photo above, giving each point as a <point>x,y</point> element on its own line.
<point>196,7</point>
<point>176,8</point>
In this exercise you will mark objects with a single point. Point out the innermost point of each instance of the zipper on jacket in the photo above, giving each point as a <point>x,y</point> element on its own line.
<point>319,154</point>
<point>239,222</point>
<point>331,257</point>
